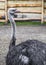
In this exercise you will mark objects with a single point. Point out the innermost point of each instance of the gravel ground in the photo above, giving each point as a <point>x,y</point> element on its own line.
<point>22,33</point>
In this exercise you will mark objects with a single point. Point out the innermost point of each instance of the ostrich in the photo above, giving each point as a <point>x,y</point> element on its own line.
<point>30,52</point>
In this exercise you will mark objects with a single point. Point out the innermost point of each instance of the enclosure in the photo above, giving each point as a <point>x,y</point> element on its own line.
<point>28,9</point>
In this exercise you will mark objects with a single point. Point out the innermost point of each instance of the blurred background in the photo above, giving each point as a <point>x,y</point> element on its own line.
<point>27,10</point>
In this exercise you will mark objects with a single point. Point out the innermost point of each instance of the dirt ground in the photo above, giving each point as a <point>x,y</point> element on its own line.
<point>22,33</point>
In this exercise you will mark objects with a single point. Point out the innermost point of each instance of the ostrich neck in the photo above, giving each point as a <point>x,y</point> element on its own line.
<point>13,26</point>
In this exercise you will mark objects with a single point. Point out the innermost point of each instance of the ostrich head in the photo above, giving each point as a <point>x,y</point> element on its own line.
<point>11,12</point>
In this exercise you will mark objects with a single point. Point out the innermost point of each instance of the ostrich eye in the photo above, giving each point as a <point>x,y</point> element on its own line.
<point>13,10</point>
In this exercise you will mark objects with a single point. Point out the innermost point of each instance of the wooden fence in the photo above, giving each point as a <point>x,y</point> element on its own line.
<point>37,7</point>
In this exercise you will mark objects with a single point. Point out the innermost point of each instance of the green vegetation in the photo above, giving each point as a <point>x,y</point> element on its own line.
<point>2,23</point>
<point>27,23</point>
<point>24,23</point>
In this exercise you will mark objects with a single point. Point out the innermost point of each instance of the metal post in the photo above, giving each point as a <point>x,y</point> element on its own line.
<point>42,18</point>
<point>6,15</point>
